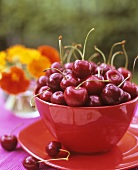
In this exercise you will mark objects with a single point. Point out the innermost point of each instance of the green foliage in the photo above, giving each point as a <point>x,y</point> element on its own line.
<point>37,22</point>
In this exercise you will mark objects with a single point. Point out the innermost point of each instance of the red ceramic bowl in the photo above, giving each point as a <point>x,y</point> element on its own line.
<point>87,129</point>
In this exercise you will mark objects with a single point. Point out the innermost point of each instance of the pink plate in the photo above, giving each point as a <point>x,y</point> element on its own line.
<point>35,137</point>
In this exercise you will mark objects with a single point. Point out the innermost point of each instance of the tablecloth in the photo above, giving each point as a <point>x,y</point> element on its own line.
<point>13,160</point>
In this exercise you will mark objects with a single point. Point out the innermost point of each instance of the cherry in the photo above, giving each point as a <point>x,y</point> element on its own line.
<point>131,88</point>
<point>42,81</point>
<point>93,85</point>
<point>75,96</point>
<point>114,77</point>
<point>9,142</point>
<point>81,68</point>
<point>68,65</point>
<point>125,72</point>
<point>103,68</point>
<point>58,98</point>
<point>68,80</point>
<point>67,71</point>
<point>94,100</point>
<point>45,94</point>
<point>112,94</point>
<point>53,148</point>
<point>126,97</point>
<point>30,163</point>
<point>54,81</point>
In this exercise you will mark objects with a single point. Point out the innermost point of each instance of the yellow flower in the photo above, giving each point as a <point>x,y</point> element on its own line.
<point>37,66</point>
<point>14,53</point>
<point>2,60</point>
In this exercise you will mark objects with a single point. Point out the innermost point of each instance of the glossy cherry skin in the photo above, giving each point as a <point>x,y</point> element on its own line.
<point>112,95</point>
<point>75,97</point>
<point>126,97</point>
<point>94,100</point>
<point>68,80</point>
<point>45,93</point>
<point>125,72</point>
<point>53,148</point>
<point>42,81</point>
<point>131,88</point>
<point>54,81</point>
<point>30,163</point>
<point>68,65</point>
<point>114,77</point>
<point>93,85</point>
<point>81,68</point>
<point>103,67</point>
<point>56,65</point>
<point>58,98</point>
<point>9,142</point>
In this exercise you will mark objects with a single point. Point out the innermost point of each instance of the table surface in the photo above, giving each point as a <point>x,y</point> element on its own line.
<point>13,160</point>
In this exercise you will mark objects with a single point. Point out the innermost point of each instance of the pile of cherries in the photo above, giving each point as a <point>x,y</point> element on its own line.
<point>84,83</point>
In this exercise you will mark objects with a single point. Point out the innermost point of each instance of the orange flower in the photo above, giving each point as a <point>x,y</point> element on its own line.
<point>37,66</point>
<point>49,52</point>
<point>14,81</point>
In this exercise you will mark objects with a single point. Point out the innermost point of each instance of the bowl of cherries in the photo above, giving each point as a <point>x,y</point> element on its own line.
<point>87,107</point>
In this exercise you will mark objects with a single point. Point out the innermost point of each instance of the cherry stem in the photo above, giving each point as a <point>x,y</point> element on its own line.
<point>114,55</point>
<point>126,56</point>
<point>98,71</point>
<point>112,48</point>
<point>84,47</point>
<point>124,80</point>
<point>90,81</point>
<point>100,53</point>
<point>93,56</point>
<point>16,128</point>
<point>57,159</point>
<point>32,99</point>
<point>71,52</point>
<point>66,55</point>
<point>56,70</point>
<point>60,49</point>
<point>75,48</point>
<point>134,63</point>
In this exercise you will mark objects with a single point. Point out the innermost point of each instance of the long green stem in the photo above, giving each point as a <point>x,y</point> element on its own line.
<point>114,55</point>
<point>126,56</point>
<point>112,48</point>
<point>84,47</point>
<point>100,53</point>
<point>93,56</point>
<point>134,63</point>
<point>60,50</point>
<point>75,48</point>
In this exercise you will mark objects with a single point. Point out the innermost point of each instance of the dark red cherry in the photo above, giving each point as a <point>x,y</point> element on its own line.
<point>56,65</point>
<point>94,66</point>
<point>126,97</point>
<point>8,142</point>
<point>42,81</point>
<point>93,85</point>
<point>112,94</point>
<point>125,72</point>
<point>67,71</point>
<point>45,93</point>
<point>54,81</point>
<point>75,96</point>
<point>131,88</point>
<point>82,68</point>
<point>68,80</point>
<point>30,163</point>
<point>58,98</point>
<point>53,148</point>
<point>68,65</point>
<point>103,67</point>
<point>93,101</point>
<point>114,77</point>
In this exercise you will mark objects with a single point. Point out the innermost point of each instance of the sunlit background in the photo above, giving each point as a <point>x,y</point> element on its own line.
<point>37,22</point>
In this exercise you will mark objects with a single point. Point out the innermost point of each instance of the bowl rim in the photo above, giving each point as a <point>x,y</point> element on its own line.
<point>86,107</point>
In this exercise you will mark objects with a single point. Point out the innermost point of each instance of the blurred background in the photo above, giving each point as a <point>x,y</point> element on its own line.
<point>38,22</point>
